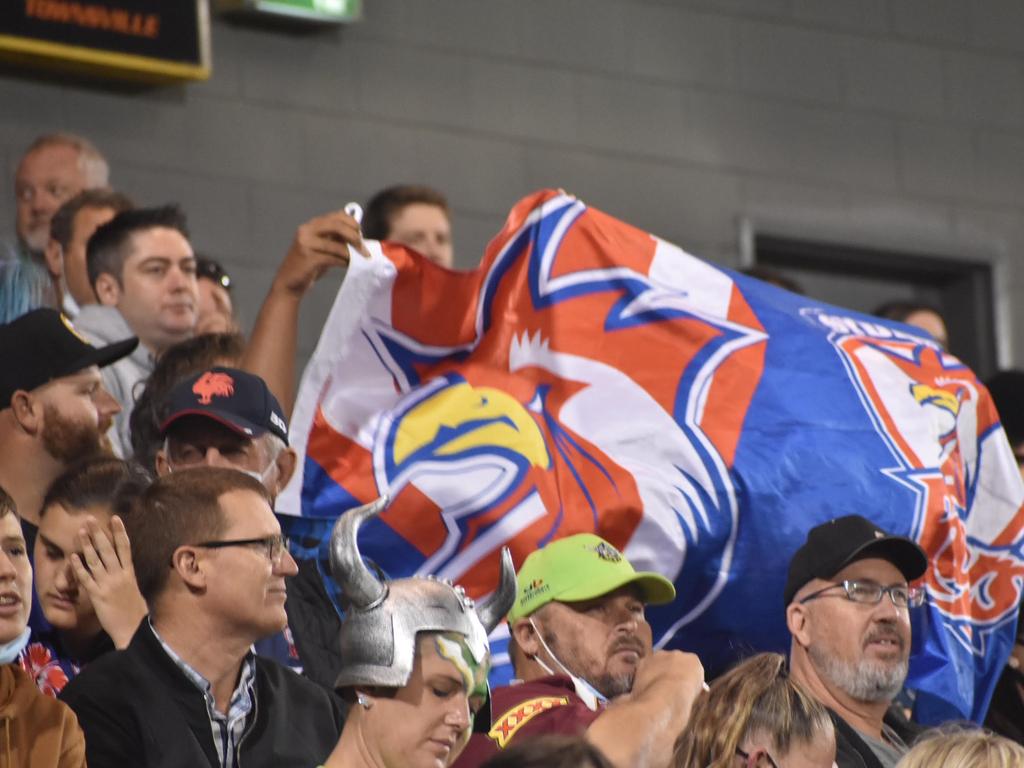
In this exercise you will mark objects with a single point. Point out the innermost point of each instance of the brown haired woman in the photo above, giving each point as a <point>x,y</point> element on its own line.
<point>755,715</point>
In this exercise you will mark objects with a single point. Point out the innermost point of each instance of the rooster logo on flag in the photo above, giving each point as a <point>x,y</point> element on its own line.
<point>591,377</point>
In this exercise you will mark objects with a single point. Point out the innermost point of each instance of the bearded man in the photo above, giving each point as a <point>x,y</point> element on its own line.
<point>848,600</point>
<point>53,407</point>
<point>581,648</point>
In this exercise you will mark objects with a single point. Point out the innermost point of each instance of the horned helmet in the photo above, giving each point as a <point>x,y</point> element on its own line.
<point>378,633</point>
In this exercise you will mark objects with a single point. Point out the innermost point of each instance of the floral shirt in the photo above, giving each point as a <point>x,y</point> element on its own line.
<point>44,664</point>
<point>46,661</point>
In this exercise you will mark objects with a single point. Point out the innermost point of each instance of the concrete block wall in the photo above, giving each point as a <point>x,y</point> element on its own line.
<point>897,123</point>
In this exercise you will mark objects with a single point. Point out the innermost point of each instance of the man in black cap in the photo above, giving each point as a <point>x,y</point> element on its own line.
<point>848,599</point>
<point>53,407</point>
<point>228,418</point>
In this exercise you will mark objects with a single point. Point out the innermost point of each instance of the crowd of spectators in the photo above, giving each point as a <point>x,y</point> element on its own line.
<point>176,620</point>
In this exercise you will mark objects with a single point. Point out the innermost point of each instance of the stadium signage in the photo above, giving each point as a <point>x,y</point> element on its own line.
<point>138,39</point>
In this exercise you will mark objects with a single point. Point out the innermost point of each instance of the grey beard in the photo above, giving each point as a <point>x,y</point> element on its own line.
<point>864,680</point>
<point>611,686</point>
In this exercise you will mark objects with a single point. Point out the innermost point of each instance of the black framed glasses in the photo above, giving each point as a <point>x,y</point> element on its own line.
<point>745,756</point>
<point>870,593</point>
<point>273,546</point>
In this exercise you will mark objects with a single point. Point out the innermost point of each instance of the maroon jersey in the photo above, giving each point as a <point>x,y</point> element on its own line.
<point>525,710</point>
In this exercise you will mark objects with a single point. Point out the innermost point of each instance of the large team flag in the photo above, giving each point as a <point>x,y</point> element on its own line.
<point>588,376</point>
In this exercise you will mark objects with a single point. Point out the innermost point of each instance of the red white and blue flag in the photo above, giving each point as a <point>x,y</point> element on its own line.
<point>588,376</point>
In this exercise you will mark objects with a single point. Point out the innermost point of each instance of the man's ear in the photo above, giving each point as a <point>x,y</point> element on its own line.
<point>286,461</point>
<point>54,256</point>
<point>162,465</point>
<point>189,568</point>
<point>797,620</point>
<point>27,411</point>
<point>526,636</point>
<point>108,289</point>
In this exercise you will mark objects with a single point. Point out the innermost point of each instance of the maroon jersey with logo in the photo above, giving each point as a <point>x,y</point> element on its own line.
<point>525,710</point>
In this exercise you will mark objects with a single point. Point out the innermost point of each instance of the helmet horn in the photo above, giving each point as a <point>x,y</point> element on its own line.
<point>360,586</point>
<point>499,604</point>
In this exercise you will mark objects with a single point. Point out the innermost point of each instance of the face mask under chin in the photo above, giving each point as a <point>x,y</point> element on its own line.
<point>592,697</point>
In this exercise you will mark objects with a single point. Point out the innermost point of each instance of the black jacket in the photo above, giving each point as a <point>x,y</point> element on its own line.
<point>853,752</point>
<point>137,708</point>
<point>315,625</point>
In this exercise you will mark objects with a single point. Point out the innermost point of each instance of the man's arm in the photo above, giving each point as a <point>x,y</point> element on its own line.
<point>319,244</point>
<point>639,730</point>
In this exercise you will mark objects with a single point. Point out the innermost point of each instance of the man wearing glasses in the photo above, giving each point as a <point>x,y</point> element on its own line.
<point>848,601</point>
<point>225,417</point>
<point>188,690</point>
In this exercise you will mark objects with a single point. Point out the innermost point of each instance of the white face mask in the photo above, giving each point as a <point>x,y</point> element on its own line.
<point>260,477</point>
<point>10,651</point>
<point>592,697</point>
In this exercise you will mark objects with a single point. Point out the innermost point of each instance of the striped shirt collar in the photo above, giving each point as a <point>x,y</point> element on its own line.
<point>228,730</point>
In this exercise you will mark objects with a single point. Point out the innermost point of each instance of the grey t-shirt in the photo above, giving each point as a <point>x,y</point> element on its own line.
<point>889,751</point>
<point>103,325</point>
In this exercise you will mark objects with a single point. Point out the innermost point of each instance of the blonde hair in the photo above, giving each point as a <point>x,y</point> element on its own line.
<point>963,747</point>
<point>755,697</point>
<point>91,161</point>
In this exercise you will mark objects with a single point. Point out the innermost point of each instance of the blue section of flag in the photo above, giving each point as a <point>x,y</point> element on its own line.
<point>321,496</point>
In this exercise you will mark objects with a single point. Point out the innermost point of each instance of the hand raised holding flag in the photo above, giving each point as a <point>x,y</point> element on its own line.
<point>320,244</point>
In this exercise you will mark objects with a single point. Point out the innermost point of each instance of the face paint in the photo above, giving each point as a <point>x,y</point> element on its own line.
<point>453,647</point>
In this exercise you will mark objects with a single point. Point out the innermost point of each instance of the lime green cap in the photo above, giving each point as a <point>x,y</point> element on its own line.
<point>581,567</point>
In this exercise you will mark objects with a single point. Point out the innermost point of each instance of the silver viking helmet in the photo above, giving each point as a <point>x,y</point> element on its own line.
<point>378,634</point>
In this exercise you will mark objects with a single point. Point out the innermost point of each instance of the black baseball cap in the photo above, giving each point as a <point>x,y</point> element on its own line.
<point>239,400</point>
<point>43,345</point>
<point>832,546</point>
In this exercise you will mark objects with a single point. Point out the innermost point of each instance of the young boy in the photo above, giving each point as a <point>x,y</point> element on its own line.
<point>39,731</point>
<point>85,584</point>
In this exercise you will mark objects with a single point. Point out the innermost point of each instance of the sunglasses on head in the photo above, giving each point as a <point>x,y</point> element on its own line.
<point>211,270</point>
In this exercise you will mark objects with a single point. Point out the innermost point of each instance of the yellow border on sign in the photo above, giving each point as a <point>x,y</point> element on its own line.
<point>119,61</point>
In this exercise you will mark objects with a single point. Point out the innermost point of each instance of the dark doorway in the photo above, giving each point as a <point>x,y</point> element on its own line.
<point>864,278</point>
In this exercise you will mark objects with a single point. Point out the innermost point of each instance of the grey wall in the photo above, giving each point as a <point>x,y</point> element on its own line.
<point>897,123</point>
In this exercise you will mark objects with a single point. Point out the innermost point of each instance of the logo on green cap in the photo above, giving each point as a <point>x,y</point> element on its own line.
<point>534,589</point>
<point>607,552</point>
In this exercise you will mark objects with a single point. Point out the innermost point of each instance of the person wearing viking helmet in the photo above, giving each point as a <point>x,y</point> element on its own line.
<point>416,659</point>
